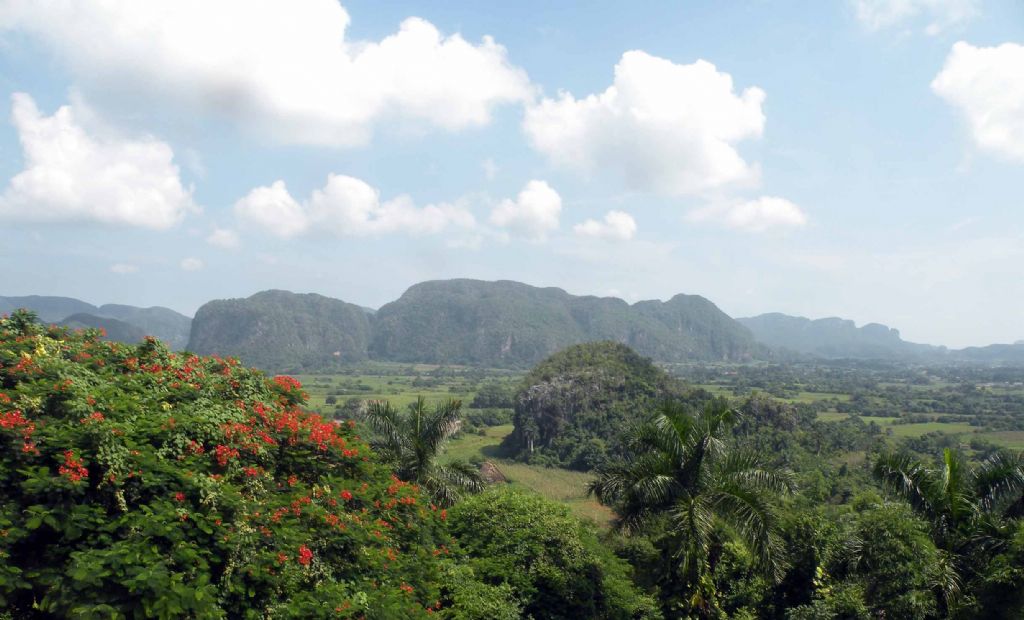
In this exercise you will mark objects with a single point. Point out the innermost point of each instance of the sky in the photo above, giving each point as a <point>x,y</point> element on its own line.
<point>855,158</point>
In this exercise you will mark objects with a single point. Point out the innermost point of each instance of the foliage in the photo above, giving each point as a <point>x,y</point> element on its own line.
<point>679,472</point>
<point>571,406</point>
<point>412,442</point>
<point>553,562</point>
<point>509,324</point>
<point>138,482</point>
<point>282,331</point>
<point>969,510</point>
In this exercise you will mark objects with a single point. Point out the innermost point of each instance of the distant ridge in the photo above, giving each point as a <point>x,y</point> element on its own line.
<point>496,323</point>
<point>835,338</point>
<point>507,323</point>
<point>164,323</point>
<point>115,330</point>
<point>499,324</point>
<point>280,330</point>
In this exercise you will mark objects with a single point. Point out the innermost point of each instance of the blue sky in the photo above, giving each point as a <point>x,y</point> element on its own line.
<point>858,159</point>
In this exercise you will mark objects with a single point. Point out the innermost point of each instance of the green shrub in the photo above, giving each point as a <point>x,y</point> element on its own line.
<point>139,482</point>
<point>553,563</point>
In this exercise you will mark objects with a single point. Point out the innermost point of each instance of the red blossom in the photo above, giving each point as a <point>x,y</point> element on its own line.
<point>305,555</point>
<point>73,468</point>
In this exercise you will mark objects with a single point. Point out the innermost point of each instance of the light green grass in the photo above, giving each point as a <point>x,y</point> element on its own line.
<point>560,485</point>
<point>831,416</point>
<point>916,430</point>
<point>1007,439</point>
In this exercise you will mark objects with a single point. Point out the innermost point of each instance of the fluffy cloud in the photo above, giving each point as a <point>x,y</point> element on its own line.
<point>940,14</point>
<point>532,215</point>
<point>987,85</point>
<point>759,215</point>
<point>224,238</point>
<point>616,226</point>
<point>661,126</point>
<point>191,264</point>
<point>71,175</point>
<point>276,65</point>
<point>345,206</point>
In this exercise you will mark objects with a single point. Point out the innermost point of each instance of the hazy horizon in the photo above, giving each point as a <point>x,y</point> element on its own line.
<point>857,159</point>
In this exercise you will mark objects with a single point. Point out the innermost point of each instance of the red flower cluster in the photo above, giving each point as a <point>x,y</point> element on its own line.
<point>95,416</point>
<point>72,467</point>
<point>287,383</point>
<point>305,555</point>
<point>223,454</point>
<point>15,420</point>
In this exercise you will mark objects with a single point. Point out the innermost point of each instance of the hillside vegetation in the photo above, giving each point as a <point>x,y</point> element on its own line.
<point>282,331</point>
<point>512,324</point>
<point>572,408</point>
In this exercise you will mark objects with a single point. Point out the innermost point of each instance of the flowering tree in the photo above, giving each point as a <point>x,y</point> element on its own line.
<point>139,482</point>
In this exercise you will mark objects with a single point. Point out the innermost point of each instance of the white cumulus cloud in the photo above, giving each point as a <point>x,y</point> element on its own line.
<point>986,84</point>
<point>71,175</point>
<point>660,126</point>
<point>224,238</point>
<point>616,226</point>
<point>346,206</point>
<point>758,215</point>
<point>278,66</point>
<point>939,14</point>
<point>191,264</point>
<point>532,215</point>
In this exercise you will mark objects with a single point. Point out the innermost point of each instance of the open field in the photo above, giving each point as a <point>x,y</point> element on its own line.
<point>400,384</point>
<point>561,485</point>
<point>917,429</point>
<point>1008,439</point>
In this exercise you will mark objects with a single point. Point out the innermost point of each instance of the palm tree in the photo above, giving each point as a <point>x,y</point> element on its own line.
<point>412,442</point>
<point>959,503</point>
<point>967,509</point>
<point>679,467</point>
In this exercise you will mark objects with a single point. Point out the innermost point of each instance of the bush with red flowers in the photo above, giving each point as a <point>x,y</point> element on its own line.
<point>139,482</point>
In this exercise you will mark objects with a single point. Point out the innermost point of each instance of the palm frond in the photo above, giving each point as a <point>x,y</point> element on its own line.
<point>752,517</point>
<point>999,481</point>
<point>911,480</point>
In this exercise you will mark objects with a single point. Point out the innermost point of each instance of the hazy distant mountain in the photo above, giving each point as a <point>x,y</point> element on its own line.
<point>117,331</point>
<point>49,309</point>
<point>1011,353</point>
<point>833,338</point>
<point>513,324</point>
<point>279,330</point>
<point>164,323</point>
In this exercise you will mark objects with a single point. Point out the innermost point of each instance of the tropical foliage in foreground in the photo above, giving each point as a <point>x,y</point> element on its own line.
<point>681,475</point>
<point>139,482</point>
<point>412,441</point>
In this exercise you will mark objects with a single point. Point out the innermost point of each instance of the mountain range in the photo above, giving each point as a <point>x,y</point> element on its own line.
<point>497,324</point>
<point>122,323</point>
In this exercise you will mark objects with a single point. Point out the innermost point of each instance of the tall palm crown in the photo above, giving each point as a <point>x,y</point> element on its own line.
<point>959,502</point>
<point>413,440</point>
<point>680,465</point>
<point>968,509</point>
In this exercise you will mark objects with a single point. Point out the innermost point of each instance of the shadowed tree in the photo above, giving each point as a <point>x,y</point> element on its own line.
<point>679,468</point>
<point>970,511</point>
<point>412,441</point>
